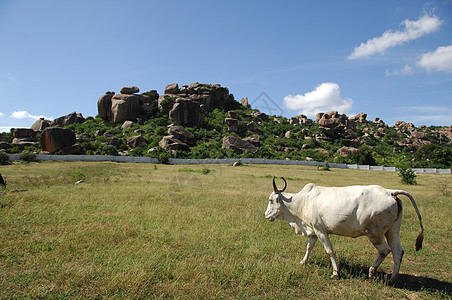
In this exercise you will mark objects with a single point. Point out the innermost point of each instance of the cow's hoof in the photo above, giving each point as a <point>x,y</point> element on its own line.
<point>302,263</point>
<point>392,281</point>
<point>371,273</point>
<point>334,276</point>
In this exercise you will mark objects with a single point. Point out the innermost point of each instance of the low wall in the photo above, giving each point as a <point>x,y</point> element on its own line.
<point>178,161</point>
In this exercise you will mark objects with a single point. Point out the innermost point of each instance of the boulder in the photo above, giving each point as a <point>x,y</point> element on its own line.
<point>118,108</point>
<point>318,116</point>
<point>117,142</point>
<point>233,124</point>
<point>361,117</point>
<point>23,132</point>
<point>124,107</point>
<point>351,125</point>
<point>40,125</point>
<point>182,134</point>
<point>72,118</point>
<point>294,121</point>
<point>126,125</point>
<point>347,151</point>
<point>73,149</point>
<point>187,113</point>
<point>23,142</point>
<point>237,144</point>
<point>104,106</point>
<point>54,139</point>
<point>137,141</point>
<point>129,90</point>
<point>172,143</point>
<point>329,123</point>
<point>259,115</point>
<point>172,88</point>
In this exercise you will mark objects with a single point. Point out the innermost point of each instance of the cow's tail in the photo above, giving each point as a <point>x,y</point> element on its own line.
<point>420,237</point>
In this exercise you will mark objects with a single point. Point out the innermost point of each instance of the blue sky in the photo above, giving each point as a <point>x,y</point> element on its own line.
<point>389,59</point>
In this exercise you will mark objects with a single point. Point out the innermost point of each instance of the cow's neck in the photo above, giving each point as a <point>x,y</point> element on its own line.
<point>293,203</point>
<point>293,206</point>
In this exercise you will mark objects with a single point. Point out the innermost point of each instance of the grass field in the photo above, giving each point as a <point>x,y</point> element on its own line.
<point>166,231</point>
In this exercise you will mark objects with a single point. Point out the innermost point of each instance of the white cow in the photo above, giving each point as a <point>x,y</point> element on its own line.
<point>352,211</point>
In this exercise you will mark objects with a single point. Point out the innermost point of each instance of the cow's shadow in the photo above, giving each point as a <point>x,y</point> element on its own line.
<point>404,281</point>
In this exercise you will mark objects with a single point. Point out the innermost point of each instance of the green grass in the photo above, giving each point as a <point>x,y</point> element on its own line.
<point>145,231</point>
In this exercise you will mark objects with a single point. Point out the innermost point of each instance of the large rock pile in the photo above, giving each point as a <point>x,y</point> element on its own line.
<point>127,105</point>
<point>23,137</point>
<point>415,139</point>
<point>185,105</point>
<point>332,125</point>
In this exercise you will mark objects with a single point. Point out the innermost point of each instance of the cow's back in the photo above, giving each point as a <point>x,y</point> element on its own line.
<point>351,210</point>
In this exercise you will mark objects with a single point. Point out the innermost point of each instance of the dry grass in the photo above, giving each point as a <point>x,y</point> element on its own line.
<point>145,231</point>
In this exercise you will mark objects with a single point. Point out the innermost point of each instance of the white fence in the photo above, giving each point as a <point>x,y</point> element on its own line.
<point>177,161</point>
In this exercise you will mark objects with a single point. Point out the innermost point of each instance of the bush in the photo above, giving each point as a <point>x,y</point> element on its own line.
<point>4,159</point>
<point>326,167</point>
<point>408,175</point>
<point>27,156</point>
<point>164,158</point>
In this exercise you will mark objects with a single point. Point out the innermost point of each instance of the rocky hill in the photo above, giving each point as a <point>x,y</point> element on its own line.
<point>205,121</point>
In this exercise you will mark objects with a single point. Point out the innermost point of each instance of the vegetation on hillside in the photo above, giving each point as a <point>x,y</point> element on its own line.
<point>95,136</point>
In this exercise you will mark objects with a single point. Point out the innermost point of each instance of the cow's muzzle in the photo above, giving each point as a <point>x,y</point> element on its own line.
<point>271,219</point>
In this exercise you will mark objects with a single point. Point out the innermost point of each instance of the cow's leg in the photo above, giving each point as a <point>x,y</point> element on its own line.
<point>393,238</point>
<point>325,240</point>
<point>309,247</point>
<point>383,250</point>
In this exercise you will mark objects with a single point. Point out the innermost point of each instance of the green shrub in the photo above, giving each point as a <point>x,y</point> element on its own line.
<point>326,167</point>
<point>408,175</point>
<point>78,175</point>
<point>164,158</point>
<point>4,159</point>
<point>27,156</point>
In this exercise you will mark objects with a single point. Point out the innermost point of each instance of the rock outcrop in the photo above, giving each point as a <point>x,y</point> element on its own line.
<point>128,105</point>
<point>332,125</point>
<point>172,143</point>
<point>239,145</point>
<point>182,134</point>
<point>23,137</point>
<point>233,124</point>
<point>347,151</point>
<point>72,118</point>
<point>40,125</point>
<point>129,90</point>
<point>137,141</point>
<point>187,113</point>
<point>54,139</point>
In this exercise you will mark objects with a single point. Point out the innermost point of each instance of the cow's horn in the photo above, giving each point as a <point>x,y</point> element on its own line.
<point>274,185</point>
<point>285,185</point>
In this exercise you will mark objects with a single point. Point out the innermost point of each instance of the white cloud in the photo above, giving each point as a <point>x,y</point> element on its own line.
<point>413,30</point>
<point>325,97</point>
<point>438,60</point>
<point>1,114</point>
<point>407,70</point>
<point>25,115</point>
